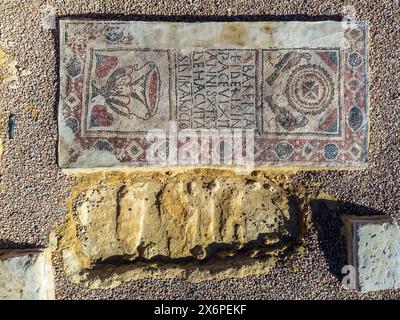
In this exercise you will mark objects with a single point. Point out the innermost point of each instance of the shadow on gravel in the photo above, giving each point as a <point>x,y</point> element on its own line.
<point>326,219</point>
<point>7,244</point>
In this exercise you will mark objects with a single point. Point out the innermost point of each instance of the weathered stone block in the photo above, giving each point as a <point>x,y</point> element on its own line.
<point>26,275</point>
<point>374,250</point>
<point>157,93</point>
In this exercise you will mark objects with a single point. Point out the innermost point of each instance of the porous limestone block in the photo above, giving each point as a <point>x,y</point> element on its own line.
<point>374,251</point>
<point>26,275</point>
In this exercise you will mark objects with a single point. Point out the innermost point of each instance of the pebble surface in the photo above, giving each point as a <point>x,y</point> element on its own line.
<point>33,189</point>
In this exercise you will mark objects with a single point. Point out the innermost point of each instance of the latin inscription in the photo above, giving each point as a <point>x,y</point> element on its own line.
<point>216,89</point>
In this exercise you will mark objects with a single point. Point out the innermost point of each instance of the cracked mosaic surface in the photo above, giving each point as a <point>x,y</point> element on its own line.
<point>301,87</point>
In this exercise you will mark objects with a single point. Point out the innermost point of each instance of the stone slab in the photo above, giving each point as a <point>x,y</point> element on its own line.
<point>138,93</point>
<point>374,250</point>
<point>26,275</point>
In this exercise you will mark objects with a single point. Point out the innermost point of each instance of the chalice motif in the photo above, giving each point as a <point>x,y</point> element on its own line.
<point>131,91</point>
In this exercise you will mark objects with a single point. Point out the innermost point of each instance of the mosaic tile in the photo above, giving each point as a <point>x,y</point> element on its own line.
<point>222,94</point>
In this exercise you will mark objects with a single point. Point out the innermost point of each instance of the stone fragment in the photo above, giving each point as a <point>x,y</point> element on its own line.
<point>26,275</point>
<point>1,148</point>
<point>163,93</point>
<point>373,248</point>
<point>34,112</point>
<point>133,225</point>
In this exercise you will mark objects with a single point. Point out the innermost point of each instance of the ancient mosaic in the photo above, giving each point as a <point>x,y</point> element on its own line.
<point>299,88</point>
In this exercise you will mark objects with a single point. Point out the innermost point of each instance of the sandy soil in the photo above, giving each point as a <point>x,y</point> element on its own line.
<point>33,189</point>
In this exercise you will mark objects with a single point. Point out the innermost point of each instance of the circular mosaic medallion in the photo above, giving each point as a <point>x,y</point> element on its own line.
<point>310,89</point>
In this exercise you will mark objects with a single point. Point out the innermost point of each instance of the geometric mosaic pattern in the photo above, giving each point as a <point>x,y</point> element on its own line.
<point>315,111</point>
<point>307,103</point>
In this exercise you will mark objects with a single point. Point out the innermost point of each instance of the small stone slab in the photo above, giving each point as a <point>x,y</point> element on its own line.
<point>281,93</point>
<point>26,275</point>
<point>373,246</point>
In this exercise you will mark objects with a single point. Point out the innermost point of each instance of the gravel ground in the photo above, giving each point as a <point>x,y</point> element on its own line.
<point>33,190</point>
